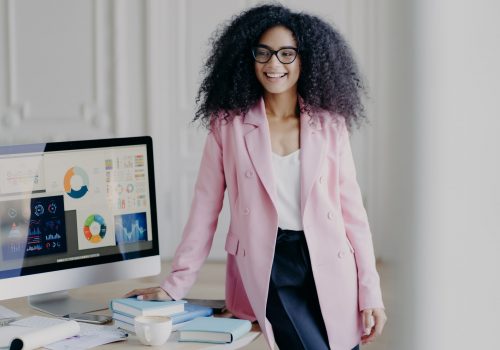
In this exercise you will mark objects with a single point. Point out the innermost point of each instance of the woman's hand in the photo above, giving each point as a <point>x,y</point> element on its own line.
<point>154,293</point>
<point>373,324</point>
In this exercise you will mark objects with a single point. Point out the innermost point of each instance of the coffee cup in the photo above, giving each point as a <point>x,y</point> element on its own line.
<point>153,330</point>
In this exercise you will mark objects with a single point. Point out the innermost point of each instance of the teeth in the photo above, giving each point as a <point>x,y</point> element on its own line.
<point>275,75</point>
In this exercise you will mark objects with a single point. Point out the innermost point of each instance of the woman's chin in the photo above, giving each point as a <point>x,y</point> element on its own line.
<point>275,90</point>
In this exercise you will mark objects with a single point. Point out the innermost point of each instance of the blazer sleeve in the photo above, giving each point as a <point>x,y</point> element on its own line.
<point>357,227</point>
<point>200,228</point>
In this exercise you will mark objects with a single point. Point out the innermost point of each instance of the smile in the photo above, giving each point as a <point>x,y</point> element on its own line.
<point>275,75</point>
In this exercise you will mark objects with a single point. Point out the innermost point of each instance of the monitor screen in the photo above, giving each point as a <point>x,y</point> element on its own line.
<point>68,205</point>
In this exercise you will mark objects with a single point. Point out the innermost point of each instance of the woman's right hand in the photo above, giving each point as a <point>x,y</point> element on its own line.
<point>154,293</point>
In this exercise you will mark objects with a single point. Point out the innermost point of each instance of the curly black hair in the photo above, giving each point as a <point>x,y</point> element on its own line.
<point>329,77</point>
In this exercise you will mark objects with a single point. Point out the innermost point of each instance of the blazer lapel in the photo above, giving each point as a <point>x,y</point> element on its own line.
<point>312,151</point>
<point>258,143</point>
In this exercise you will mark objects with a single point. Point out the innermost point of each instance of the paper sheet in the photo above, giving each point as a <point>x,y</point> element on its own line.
<point>89,341</point>
<point>37,322</point>
<point>43,336</point>
<point>7,313</point>
<point>88,336</point>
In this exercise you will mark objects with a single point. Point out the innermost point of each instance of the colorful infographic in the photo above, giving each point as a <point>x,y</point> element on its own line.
<point>80,176</point>
<point>126,183</point>
<point>32,227</point>
<point>94,228</point>
<point>76,193</point>
<point>131,228</point>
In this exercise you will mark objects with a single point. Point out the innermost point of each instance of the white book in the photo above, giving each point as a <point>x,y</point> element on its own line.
<point>134,307</point>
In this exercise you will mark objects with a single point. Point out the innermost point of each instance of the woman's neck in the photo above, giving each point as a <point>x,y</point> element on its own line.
<point>282,105</point>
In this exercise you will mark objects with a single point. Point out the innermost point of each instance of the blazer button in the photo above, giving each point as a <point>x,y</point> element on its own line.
<point>321,180</point>
<point>246,211</point>
<point>341,254</point>
<point>249,173</point>
<point>330,215</point>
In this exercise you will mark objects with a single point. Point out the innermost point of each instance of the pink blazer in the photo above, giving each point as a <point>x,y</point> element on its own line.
<point>237,157</point>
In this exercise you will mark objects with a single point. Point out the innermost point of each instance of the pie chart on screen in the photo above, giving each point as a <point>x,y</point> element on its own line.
<point>76,193</point>
<point>94,228</point>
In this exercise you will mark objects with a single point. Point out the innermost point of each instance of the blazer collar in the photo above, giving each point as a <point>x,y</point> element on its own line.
<point>256,115</point>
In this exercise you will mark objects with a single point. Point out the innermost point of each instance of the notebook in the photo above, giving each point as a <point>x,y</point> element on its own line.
<point>214,330</point>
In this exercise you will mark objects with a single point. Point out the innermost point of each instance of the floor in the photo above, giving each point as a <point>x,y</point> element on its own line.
<point>210,284</point>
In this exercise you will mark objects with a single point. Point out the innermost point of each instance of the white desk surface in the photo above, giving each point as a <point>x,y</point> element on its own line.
<point>104,292</point>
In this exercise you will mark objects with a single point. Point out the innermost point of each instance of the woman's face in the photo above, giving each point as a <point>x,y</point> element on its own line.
<point>275,76</point>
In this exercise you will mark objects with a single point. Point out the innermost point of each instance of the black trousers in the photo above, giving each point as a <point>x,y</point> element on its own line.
<point>292,303</point>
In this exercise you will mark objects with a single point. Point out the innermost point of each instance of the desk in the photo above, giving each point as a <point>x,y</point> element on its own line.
<point>104,292</point>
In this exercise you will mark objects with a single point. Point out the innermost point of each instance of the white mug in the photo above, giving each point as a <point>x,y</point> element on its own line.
<point>153,330</point>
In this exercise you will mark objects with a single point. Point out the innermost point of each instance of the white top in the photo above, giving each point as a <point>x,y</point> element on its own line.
<point>287,179</point>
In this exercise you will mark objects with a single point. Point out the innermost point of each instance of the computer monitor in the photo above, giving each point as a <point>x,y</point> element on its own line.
<point>73,214</point>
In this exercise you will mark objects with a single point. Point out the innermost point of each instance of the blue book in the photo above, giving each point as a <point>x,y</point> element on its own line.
<point>214,330</point>
<point>191,311</point>
<point>134,307</point>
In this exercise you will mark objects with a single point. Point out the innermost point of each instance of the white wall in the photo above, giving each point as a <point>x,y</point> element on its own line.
<point>458,189</point>
<point>437,173</point>
<point>395,171</point>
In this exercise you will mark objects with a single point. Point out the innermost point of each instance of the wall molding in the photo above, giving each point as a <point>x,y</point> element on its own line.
<point>182,51</point>
<point>15,111</point>
<point>120,73</point>
<point>94,114</point>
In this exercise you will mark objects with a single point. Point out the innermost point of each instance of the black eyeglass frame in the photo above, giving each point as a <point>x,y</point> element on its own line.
<point>274,53</point>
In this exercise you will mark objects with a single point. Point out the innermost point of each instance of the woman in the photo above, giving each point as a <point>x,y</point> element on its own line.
<point>280,92</point>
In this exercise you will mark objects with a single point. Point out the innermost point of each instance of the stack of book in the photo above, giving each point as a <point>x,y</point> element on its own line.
<point>125,310</point>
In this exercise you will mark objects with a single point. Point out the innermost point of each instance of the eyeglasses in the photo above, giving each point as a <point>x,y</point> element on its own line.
<point>285,55</point>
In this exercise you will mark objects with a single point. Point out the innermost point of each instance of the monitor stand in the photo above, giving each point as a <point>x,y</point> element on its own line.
<point>60,304</point>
